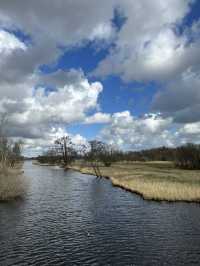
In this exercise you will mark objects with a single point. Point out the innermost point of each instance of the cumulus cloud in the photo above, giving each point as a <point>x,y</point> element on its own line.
<point>149,47</point>
<point>70,24</point>
<point>150,131</point>
<point>98,118</point>
<point>144,48</point>
<point>33,110</point>
<point>64,105</point>
<point>191,129</point>
<point>35,147</point>
<point>130,132</point>
<point>9,86</point>
<point>181,98</point>
<point>35,114</point>
<point>41,116</point>
<point>8,43</point>
<point>70,27</point>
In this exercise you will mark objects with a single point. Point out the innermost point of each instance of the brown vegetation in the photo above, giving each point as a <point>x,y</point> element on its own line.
<point>12,183</point>
<point>163,173</point>
<point>153,180</point>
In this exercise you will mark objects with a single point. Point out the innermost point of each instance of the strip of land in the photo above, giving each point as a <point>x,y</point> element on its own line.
<point>152,180</point>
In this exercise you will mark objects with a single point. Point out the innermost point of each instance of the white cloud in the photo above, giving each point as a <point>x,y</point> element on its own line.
<point>71,26</point>
<point>35,147</point>
<point>72,23</point>
<point>35,114</point>
<point>9,43</point>
<point>150,131</point>
<point>98,118</point>
<point>148,46</point>
<point>145,47</point>
<point>13,84</point>
<point>181,98</point>
<point>130,132</point>
<point>191,129</point>
<point>103,31</point>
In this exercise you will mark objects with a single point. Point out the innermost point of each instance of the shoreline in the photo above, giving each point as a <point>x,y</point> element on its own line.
<point>153,181</point>
<point>142,190</point>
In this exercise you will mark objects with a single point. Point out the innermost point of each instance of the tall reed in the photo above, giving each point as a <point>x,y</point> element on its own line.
<point>12,183</point>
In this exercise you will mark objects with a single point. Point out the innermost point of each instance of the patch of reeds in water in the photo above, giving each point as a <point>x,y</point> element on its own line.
<point>12,183</point>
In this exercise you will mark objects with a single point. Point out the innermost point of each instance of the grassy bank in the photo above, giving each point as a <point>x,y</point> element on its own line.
<point>12,183</point>
<point>153,180</point>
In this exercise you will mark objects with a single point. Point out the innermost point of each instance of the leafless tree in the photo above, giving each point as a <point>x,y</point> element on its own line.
<point>67,149</point>
<point>4,143</point>
<point>99,152</point>
<point>10,151</point>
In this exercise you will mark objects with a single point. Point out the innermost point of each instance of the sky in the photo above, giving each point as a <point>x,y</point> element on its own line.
<point>122,71</point>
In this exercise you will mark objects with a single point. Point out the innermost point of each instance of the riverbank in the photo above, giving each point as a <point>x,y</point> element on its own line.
<point>158,181</point>
<point>12,183</point>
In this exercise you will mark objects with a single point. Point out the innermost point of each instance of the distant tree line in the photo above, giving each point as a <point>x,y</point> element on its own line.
<point>188,157</point>
<point>156,154</point>
<point>185,157</point>
<point>99,153</point>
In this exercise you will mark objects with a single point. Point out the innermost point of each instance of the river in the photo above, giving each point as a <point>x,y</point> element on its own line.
<point>72,219</point>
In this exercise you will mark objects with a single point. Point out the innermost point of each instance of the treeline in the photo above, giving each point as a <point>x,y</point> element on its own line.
<point>186,156</point>
<point>64,151</point>
<point>156,154</point>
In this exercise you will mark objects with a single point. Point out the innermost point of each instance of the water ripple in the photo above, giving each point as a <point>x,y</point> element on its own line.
<point>74,219</point>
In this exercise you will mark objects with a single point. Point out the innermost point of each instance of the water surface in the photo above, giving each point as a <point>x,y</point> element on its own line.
<point>72,219</point>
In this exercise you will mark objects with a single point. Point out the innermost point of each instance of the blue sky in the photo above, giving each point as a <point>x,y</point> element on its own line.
<point>127,73</point>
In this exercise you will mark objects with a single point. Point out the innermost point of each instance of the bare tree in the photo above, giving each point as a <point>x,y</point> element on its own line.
<point>99,153</point>
<point>67,149</point>
<point>15,153</point>
<point>10,151</point>
<point>4,143</point>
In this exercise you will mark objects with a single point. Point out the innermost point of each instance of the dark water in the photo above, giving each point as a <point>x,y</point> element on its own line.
<point>74,219</point>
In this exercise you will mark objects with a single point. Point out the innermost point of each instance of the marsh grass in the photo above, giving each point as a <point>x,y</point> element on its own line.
<point>12,183</point>
<point>153,180</point>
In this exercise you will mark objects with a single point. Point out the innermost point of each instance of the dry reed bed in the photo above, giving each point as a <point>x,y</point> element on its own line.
<point>153,180</point>
<point>12,183</point>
